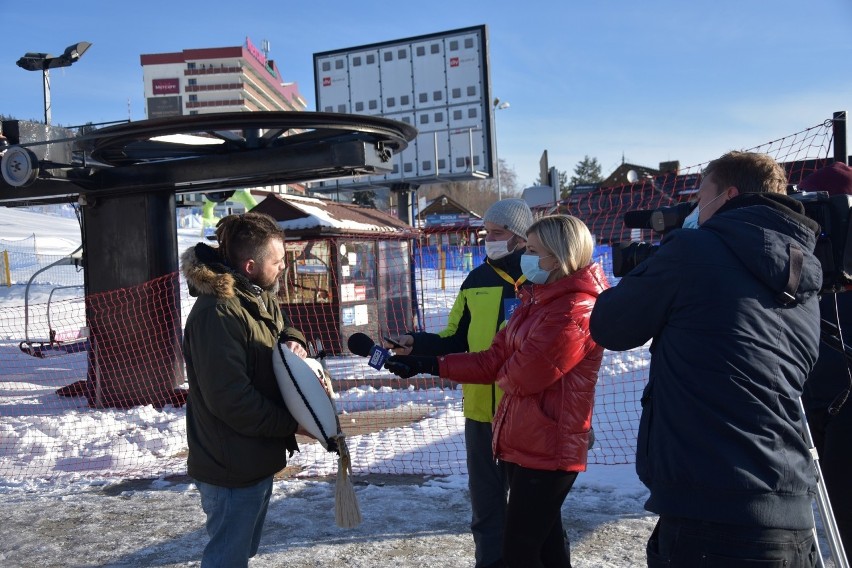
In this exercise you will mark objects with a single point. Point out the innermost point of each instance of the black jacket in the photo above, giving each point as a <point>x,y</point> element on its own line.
<point>720,437</point>
<point>237,426</point>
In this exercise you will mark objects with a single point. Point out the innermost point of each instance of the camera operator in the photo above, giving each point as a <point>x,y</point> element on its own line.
<point>732,308</point>
<point>825,397</point>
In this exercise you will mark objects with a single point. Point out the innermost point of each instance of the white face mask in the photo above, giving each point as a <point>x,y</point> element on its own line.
<point>497,249</point>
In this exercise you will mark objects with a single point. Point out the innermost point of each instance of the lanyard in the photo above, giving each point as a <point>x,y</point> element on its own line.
<point>502,274</point>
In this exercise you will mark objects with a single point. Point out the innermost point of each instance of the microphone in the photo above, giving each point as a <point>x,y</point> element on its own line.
<point>361,344</point>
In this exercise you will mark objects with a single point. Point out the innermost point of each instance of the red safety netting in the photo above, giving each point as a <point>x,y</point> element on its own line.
<point>94,385</point>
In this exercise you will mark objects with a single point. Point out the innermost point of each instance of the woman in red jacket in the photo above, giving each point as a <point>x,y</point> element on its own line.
<point>547,363</point>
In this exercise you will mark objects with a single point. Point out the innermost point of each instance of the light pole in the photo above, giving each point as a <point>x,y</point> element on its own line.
<point>498,106</point>
<point>44,61</point>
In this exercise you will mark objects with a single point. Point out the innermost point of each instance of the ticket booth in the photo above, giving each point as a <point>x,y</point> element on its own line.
<point>348,269</point>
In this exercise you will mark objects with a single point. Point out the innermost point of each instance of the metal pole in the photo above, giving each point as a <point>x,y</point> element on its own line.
<point>832,532</point>
<point>46,87</point>
<point>839,127</point>
<point>497,159</point>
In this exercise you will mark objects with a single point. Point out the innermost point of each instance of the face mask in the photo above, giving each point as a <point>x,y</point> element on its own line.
<point>497,249</point>
<point>531,269</point>
<point>691,221</point>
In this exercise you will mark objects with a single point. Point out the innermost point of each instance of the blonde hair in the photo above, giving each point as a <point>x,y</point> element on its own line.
<point>567,238</point>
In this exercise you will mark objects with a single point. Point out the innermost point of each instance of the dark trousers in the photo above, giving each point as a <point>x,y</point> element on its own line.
<point>487,486</point>
<point>833,440</point>
<point>534,537</point>
<point>687,543</point>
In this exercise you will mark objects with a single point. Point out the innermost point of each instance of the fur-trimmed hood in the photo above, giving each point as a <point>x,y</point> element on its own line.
<point>206,273</point>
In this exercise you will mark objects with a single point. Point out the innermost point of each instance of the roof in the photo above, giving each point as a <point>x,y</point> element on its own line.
<point>302,216</point>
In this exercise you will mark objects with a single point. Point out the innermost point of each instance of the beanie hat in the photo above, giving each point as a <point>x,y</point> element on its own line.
<point>836,179</point>
<point>513,215</point>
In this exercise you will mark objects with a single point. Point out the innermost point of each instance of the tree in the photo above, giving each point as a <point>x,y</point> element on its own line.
<point>587,170</point>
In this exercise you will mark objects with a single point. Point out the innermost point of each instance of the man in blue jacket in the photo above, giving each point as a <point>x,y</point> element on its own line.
<point>732,311</point>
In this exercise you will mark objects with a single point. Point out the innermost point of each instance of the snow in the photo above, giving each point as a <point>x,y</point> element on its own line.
<point>75,519</point>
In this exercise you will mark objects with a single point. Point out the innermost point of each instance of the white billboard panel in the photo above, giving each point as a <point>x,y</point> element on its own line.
<point>438,83</point>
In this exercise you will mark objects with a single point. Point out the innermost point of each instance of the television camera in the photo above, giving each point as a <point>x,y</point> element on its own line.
<point>832,212</point>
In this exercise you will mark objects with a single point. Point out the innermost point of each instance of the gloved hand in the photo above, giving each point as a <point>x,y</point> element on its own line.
<point>406,366</point>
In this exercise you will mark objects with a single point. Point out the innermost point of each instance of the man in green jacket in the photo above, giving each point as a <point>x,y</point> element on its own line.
<point>485,301</point>
<point>237,426</point>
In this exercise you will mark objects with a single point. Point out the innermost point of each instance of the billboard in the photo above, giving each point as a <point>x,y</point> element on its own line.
<point>159,107</point>
<point>438,83</point>
<point>165,86</point>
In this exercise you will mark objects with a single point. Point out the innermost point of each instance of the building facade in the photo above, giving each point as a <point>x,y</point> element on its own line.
<point>216,80</point>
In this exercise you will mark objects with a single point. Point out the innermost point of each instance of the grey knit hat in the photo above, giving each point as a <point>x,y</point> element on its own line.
<point>511,214</point>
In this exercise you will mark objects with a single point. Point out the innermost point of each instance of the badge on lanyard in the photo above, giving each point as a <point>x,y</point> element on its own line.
<point>509,307</point>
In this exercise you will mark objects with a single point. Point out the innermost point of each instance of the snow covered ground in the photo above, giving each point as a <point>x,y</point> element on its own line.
<point>411,520</point>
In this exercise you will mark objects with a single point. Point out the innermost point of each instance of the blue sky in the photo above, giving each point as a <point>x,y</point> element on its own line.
<point>650,81</point>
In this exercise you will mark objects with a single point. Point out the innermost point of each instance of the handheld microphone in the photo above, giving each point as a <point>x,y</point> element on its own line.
<point>361,344</point>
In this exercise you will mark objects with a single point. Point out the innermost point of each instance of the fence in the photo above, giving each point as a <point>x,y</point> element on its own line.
<point>100,393</point>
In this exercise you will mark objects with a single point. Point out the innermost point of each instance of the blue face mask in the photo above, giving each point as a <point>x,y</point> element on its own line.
<point>531,269</point>
<point>691,221</point>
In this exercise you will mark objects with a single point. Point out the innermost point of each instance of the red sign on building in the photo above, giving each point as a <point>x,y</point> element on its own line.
<point>326,81</point>
<point>166,86</point>
<point>454,61</point>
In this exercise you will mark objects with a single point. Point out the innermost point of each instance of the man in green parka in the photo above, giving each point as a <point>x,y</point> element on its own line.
<point>485,301</point>
<point>237,426</point>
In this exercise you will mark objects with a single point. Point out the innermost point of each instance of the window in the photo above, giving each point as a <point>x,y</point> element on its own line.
<point>359,106</point>
<point>190,65</point>
<point>395,168</point>
<point>390,102</point>
<point>373,105</point>
<point>192,82</point>
<point>468,43</point>
<point>471,113</point>
<point>406,119</point>
<point>328,109</point>
<point>435,48</point>
<point>457,115</point>
<point>371,59</point>
<point>356,61</point>
<point>439,117</point>
<point>408,167</point>
<point>456,93</point>
<point>308,279</point>
<point>476,160</point>
<point>423,97</point>
<point>326,65</point>
<point>404,100</point>
<point>389,56</point>
<point>442,164</point>
<point>338,64</point>
<point>421,51</point>
<point>341,108</point>
<point>402,54</point>
<point>460,162</point>
<point>358,271</point>
<point>427,165</point>
<point>424,119</point>
<point>471,91</point>
<point>437,96</point>
<point>454,45</point>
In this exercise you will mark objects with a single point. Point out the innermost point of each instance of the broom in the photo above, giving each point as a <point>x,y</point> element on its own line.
<point>347,513</point>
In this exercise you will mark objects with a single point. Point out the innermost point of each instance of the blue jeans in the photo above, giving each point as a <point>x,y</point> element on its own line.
<point>687,543</point>
<point>235,518</point>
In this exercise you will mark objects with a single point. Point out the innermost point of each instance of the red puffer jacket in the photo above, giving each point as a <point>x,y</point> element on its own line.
<point>547,363</point>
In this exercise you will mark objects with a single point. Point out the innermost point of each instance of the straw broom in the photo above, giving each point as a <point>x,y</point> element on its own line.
<point>347,513</point>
